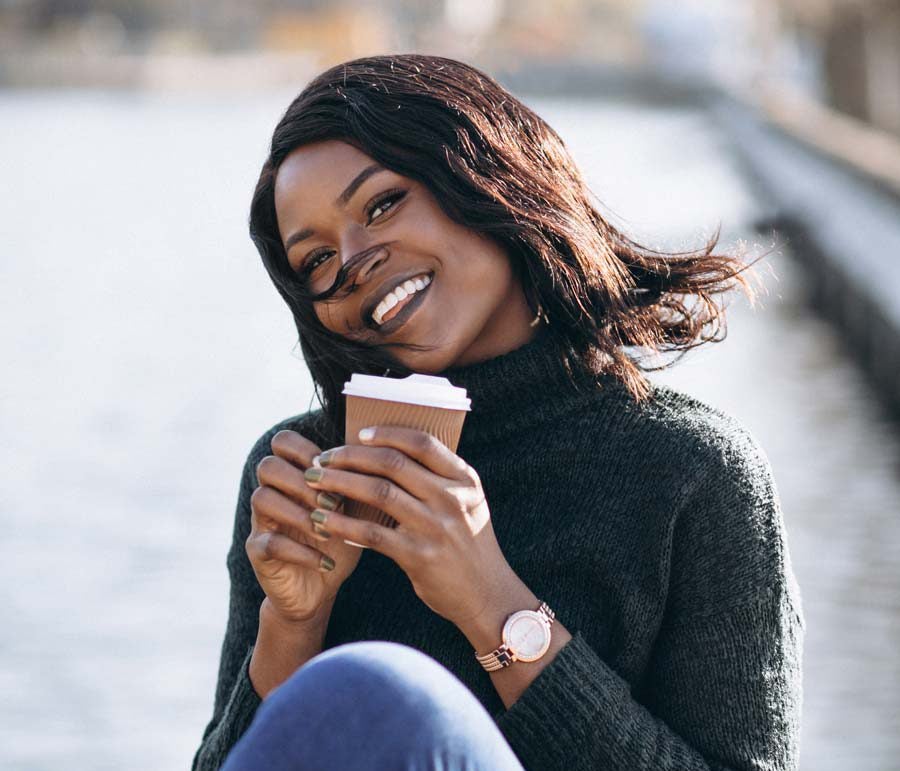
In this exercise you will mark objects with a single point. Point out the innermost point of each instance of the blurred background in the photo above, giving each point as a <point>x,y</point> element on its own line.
<point>146,349</point>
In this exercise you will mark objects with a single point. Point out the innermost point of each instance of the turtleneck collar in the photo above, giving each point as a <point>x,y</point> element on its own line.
<point>519,389</point>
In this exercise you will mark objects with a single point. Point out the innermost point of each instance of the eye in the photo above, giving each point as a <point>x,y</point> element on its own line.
<point>310,264</point>
<point>373,211</point>
<point>380,205</point>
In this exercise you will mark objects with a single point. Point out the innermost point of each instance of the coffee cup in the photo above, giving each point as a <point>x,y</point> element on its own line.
<point>424,402</point>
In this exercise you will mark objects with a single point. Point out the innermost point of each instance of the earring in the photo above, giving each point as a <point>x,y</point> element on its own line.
<point>537,318</point>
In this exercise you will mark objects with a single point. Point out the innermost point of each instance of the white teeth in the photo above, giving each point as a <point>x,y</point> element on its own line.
<point>399,294</point>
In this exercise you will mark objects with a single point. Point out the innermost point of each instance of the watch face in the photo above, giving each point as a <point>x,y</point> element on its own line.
<point>527,635</point>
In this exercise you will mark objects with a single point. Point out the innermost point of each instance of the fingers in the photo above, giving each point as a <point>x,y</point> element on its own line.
<point>277,525</point>
<point>270,511</point>
<point>376,491</point>
<point>428,450</point>
<point>300,452</point>
<point>294,447</point>
<point>275,471</point>
<point>269,546</point>
<point>383,462</point>
<point>393,543</point>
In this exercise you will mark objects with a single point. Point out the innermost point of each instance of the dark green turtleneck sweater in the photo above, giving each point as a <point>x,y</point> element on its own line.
<point>655,533</point>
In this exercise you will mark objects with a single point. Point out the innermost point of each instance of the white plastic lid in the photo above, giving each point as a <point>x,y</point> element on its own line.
<point>427,390</point>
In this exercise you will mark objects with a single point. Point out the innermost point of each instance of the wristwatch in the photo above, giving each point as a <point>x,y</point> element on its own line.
<point>526,637</point>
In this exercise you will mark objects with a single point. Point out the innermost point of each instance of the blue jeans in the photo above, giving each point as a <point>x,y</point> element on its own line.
<point>372,705</point>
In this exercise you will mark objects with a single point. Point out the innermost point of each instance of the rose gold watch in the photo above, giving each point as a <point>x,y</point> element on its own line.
<point>526,637</point>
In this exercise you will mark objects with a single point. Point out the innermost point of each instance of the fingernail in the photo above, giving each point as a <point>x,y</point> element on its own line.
<point>325,458</point>
<point>318,516</point>
<point>320,531</point>
<point>313,474</point>
<point>328,501</point>
<point>367,434</point>
<point>326,563</point>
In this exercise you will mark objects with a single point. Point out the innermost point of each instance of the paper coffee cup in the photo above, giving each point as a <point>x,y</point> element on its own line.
<point>424,402</point>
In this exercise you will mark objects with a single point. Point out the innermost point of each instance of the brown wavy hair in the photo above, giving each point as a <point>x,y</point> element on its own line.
<point>497,168</point>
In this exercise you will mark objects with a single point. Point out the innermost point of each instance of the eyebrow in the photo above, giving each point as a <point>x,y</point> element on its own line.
<point>342,200</point>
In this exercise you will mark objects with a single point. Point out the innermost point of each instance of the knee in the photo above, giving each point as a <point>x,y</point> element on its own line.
<point>371,658</point>
<point>374,680</point>
<point>370,672</point>
<point>377,703</point>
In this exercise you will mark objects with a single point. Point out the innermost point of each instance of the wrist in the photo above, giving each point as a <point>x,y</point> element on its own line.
<point>484,631</point>
<point>284,645</point>
<point>273,619</point>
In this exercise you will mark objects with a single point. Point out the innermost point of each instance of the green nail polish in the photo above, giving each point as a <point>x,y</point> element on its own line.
<point>326,562</point>
<point>313,474</point>
<point>318,516</point>
<point>328,501</point>
<point>325,458</point>
<point>321,531</point>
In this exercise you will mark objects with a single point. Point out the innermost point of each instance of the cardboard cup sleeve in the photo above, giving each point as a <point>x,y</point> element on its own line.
<point>423,402</point>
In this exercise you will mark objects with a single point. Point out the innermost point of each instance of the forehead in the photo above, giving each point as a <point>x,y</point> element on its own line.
<point>317,172</point>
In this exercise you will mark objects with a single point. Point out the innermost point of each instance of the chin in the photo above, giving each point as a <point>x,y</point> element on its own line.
<point>429,362</point>
<point>449,344</point>
<point>443,354</point>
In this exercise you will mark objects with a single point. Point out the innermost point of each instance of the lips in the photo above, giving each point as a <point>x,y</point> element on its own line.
<point>379,292</point>
<point>395,322</point>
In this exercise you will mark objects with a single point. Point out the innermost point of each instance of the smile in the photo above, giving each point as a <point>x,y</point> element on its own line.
<point>407,309</point>
<point>394,300</point>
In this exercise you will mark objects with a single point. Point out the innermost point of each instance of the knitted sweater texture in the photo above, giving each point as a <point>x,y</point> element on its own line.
<point>655,533</point>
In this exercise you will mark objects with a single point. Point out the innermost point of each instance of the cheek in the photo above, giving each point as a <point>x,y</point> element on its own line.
<point>470,262</point>
<point>486,266</point>
<point>328,316</point>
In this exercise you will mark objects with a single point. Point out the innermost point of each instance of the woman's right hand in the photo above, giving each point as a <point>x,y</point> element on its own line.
<point>286,554</point>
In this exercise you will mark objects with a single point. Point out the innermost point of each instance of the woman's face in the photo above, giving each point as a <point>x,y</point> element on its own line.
<point>334,202</point>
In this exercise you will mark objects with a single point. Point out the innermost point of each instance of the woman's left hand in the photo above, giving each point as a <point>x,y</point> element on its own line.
<point>444,540</point>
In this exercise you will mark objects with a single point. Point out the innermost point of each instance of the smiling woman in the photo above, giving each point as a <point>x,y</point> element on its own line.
<point>635,607</point>
<point>338,212</point>
<point>385,167</point>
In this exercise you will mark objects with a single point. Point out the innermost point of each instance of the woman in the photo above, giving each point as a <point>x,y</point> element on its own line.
<point>638,529</point>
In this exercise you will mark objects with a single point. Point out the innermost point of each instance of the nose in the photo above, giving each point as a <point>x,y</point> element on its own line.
<point>358,248</point>
<point>376,255</point>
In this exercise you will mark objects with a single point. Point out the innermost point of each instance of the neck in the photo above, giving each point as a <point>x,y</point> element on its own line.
<point>520,389</point>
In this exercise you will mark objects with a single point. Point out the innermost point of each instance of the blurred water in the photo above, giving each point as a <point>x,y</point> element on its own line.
<point>147,349</point>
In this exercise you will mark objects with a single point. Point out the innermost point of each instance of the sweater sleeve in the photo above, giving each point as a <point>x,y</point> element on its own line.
<point>236,701</point>
<point>723,683</point>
